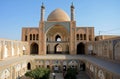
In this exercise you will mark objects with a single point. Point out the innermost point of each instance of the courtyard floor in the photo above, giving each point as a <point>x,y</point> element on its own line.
<point>109,66</point>
<point>81,75</point>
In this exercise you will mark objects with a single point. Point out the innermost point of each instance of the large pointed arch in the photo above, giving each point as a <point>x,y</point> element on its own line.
<point>81,48</point>
<point>34,48</point>
<point>56,33</point>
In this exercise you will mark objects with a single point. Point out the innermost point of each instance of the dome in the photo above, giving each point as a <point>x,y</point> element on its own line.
<point>58,15</point>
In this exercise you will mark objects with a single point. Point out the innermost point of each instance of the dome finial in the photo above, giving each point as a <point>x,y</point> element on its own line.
<point>72,12</point>
<point>42,11</point>
<point>43,6</point>
<point>72,6</point>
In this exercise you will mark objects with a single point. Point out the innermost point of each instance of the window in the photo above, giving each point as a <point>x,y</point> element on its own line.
<point>90,38</point>
<point>25,37</point>
<point>81,36</point>
<point>77,36</point>
<point>33,36</point>
<point>30,36</point>
<point>37,37</point>
<point>84,36</point>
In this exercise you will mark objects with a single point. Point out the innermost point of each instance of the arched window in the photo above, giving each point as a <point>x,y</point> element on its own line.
<point>57,38</point>
<point>33,36</point>
<point>84,36</point>
<point>81,37</point>
<point>25,37</point>
<point>90,37</point>
<point>30,36</point>
<point>37,37</point>
<point>77,36</point>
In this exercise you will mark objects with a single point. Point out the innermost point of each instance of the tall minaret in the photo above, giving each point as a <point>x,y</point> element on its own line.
<point>72,12</point>
<point>42,12</point>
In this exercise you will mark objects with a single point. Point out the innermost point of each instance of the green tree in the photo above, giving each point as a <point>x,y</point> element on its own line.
<point>71,73</point>
<point>38,73</point>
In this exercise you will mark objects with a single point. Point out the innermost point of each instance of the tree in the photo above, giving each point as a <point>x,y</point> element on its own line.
<point>38,73</point>
<point>71,73</point>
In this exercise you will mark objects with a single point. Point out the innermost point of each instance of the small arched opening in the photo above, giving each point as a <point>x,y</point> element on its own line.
<point>29,66</point>
<point>34,48</point>
<point>81,48</point>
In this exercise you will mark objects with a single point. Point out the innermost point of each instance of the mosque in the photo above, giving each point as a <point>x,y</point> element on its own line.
<point>58,43</point>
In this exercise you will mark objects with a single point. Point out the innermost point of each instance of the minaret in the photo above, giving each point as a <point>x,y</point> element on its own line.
<point>72,12</point>
<point>42,12</point>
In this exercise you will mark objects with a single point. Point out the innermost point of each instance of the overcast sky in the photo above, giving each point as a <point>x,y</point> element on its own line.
<point>104,15</point>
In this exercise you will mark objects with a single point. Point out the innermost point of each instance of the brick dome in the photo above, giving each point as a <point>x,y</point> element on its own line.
<point>58,15</point>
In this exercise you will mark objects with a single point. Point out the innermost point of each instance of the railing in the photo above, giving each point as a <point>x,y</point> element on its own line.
<point>63,52</point>
<point>57,41</point>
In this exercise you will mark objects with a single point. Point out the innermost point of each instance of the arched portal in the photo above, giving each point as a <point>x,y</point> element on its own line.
<point>57,36</point>
<point>34,48</point>
<point>80,48</point>
<point>58,49</point>
<point>29,66</point>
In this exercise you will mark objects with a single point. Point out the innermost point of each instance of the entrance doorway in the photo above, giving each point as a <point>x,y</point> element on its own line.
<point>34,48</point>
<point>81,48</point>
<point>58,49</point>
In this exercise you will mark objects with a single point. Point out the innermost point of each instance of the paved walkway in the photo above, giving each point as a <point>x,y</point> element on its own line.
<point>58,76</point>
<point>105,64</point>
<point>81,75</point>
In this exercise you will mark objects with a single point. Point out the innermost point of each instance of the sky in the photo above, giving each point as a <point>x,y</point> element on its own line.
<point>103,15</point>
